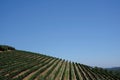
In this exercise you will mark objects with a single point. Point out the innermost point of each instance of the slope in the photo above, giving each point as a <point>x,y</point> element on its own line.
<point>23,65</point>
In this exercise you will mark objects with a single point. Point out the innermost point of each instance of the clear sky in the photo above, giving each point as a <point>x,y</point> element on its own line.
<point>84,31</point>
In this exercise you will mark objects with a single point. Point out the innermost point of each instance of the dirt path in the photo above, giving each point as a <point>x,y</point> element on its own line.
<point>59,76</point>
<point>45,72</point>
<point>31,74</point>
<point>27,77</point>
<point>52,75</point>
<point>20,74</point>
<point>66,75</point>
<point>79,74</point>
<point>73,77</point>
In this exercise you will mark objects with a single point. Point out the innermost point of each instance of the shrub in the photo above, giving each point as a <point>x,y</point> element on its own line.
<point>6,48</point>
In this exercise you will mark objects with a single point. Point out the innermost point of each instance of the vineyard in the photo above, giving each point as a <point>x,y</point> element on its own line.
<point>23,65</point>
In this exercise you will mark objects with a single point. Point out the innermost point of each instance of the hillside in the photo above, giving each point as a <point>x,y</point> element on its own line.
<point>23,65</point>
<point>114,68</point>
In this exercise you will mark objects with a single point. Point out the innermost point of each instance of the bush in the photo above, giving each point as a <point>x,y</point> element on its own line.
<point>6,48</point>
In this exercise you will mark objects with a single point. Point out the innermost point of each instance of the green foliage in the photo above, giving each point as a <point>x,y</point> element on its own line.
<point>105,72</point>
<point>6,48</point>
<point>17,65</point>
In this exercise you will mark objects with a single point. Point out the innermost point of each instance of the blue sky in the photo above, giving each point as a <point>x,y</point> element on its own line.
<point>84,31</point>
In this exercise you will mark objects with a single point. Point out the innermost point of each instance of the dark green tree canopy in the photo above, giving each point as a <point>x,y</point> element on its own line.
<point>6,48</point>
